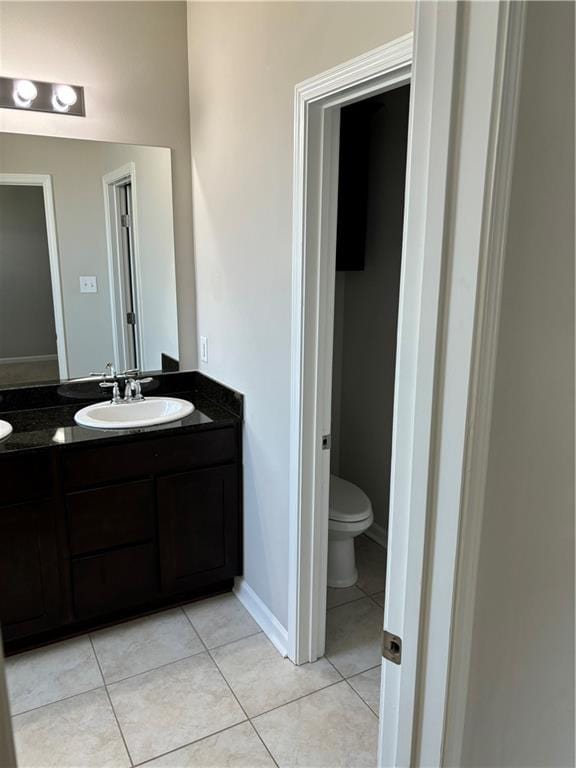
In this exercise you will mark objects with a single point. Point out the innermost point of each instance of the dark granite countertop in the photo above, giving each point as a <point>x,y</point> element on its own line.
<point>43,417</point>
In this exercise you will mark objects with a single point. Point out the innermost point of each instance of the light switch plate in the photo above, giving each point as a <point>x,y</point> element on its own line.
<point>88,284</point>
<point>204,349</point>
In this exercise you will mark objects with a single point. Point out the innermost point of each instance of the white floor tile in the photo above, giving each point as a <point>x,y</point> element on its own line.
<point>331,728</point>
<point>238,747</point>
<point>353,636</point>
<point>143,644</point>
<point>52,673</point>
<point>77,732</point>
<point>336,597</point>
<point>262,679</point>
<point>367,686</point>
<point>172,706</point>
<point>371,564</point>
<point>222,619</point>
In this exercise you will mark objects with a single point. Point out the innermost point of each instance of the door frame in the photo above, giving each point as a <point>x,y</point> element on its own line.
<point>45,181</point>
<point>110,182</point>
<point>460,150</point>
<point>316,129</point>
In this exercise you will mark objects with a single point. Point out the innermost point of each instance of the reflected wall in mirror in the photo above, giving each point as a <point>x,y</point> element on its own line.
<point>87,271</point>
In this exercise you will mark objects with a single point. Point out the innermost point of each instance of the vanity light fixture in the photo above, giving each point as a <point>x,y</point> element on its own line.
<point>39,96</point>
<point>64,97</point>
<point>24,93</point>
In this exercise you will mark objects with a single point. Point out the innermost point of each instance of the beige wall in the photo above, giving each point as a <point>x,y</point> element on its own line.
<point>245,59</point>
<point>131,58</point>
<point>521,694</point>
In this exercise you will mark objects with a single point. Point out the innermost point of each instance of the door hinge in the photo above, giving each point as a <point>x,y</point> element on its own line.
<point>125,220</point>
<point>391,647</point>
<point>131,318</point>
<point>326,442</point>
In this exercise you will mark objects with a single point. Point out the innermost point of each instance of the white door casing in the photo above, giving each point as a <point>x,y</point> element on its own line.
<point>110,182</point>
<point>317,115</point>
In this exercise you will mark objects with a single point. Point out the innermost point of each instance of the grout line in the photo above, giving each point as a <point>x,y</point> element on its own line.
<point>257,732</point>
<point>222,645</point>
<point>290,701</point>
<point>333,665</point>
<point>230,687</point>
<point>110,702</point>
<point>57,701</point>
<point>153,669</point>
<point>251,718</point>
<point>350,602</point>
<point>346,680</point>
<point>231,642</point>
<point>205,649</point>
<point>356,674</point>
<point>190,743</point>
<point>298,698</point>
<point>347,602</point>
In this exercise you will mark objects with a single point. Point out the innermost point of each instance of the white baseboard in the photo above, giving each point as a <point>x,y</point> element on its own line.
<point>378,534</point>
<point>262,615</point>
<point>29,359</point>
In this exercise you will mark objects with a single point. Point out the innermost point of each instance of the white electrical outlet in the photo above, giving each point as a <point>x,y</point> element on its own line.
<point>88,284</point>
<point>204,349</point>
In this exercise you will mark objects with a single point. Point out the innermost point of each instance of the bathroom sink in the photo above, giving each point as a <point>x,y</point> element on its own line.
<point>134,414</point>
<point>5,429</point>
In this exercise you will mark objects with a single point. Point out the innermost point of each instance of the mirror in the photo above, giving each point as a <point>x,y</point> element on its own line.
<point>87,269</point>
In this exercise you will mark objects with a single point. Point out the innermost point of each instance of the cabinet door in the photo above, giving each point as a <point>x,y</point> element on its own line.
<point>114,580</point>
<point>29,577</point>
<point>198,515</point>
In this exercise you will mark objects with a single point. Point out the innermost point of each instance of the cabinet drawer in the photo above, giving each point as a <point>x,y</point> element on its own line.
<point>26,477</point>
<point>114,580</point>
<point>85,467</point>
<point>109,517</point>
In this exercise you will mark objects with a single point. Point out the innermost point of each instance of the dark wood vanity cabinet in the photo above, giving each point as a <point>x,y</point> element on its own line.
<point>29,574</point>
<point>120,529</point>
<point>198,535</point>
<point>29,556</point>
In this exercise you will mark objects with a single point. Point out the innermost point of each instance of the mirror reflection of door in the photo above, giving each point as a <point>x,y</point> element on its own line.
<point>114,286</point>
<point>124,208</point>
<point>28,350</point>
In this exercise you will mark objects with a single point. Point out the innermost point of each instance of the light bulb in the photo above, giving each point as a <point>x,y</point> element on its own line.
<point>24,93</point>
<point>64,97</point>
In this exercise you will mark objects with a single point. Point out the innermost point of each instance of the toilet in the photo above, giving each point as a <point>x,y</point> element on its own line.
<point>350,515</point>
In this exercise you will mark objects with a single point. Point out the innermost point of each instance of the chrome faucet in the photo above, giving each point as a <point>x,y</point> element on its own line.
<point>109,379</point>
<point>109,374</point>
<point>133,388</point>
<point>115,390</point>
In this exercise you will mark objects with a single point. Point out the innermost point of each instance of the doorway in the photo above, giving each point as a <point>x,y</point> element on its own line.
<point>33,349</point>
<point>371,183</point>
<point>319,103</point>
<point>123,266</point>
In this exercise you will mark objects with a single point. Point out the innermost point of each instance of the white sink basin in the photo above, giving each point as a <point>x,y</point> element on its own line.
<point>140,413</point>
<point>5,429</point>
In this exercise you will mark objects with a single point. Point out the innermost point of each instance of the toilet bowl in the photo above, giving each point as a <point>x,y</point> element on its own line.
<point>350,515</point>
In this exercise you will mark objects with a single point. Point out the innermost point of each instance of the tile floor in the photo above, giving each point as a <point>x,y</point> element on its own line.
<point>202,687</point>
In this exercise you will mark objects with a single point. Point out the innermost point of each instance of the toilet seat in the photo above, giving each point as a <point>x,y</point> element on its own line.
<point>348,503</point>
